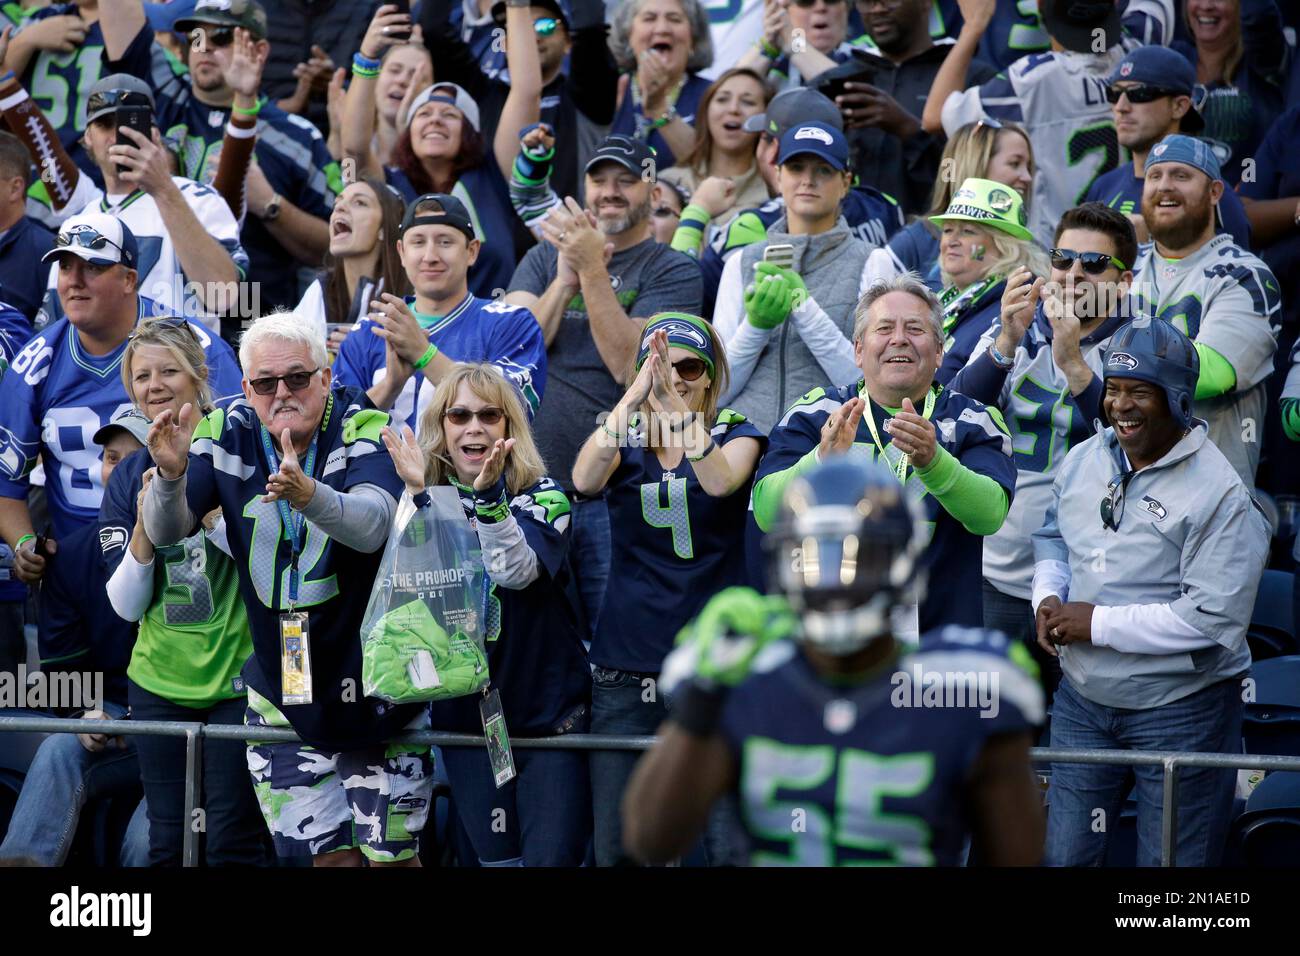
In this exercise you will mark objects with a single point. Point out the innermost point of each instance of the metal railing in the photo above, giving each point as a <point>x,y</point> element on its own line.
<point>1170,761</point>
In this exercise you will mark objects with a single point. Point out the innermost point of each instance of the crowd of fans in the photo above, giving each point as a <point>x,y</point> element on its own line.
<point>623,274</point>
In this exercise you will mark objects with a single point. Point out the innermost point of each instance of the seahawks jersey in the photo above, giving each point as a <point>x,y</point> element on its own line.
<point>1017,30</point>
<point>673,546</point>
<point>872,216</point>
<point>161,276</point>
<point>1045,422</point>
<point>56,395</point>
<point>535,652</point>
<point>60,84</point>
<point>973,434</point>
<point>878,772</point>
<point>1060,99</point>
<point>476,330</point>
<point>1122,190</point>
<point>228,468</point>
<point>1225,298</point>
<point>193,639</point>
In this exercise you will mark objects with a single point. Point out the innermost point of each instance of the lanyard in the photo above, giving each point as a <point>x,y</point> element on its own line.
<point>899,466</point>
<point>292,521</point>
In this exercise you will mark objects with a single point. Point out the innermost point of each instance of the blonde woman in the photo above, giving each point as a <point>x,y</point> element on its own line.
<point>474,435</point>
<point>675,471</point>
<point>193,637</point>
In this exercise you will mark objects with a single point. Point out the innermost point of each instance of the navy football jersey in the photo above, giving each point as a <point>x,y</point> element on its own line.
<point>1017,29</point>
<point>673,546</point>
<point>60,84</point>
<point>1120,189</point>
<point>878,773</point>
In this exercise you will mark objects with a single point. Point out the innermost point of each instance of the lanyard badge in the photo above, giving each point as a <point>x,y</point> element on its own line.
<point>900,462</point>
<point>498,738</point>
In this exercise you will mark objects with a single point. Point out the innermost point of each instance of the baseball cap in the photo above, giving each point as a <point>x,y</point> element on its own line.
<point>1177,148</point>
<point>820,139</point>
<point>128,420</point>
<point>1074,22</point>
<point>791,107</point>
<point>625,151</point>
<point>162,17</point>
<point>499,11</point>
<point>225,13</point>
<point>445,93</point>
<point>97,237</point>
<point>1166,69</point>
<point>438,209</point>
<point>114,90</point>
<point>991,204</point>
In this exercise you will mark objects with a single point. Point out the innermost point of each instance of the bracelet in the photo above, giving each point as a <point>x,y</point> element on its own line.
<point>767,49</point>
<point>707,451</point>
<point>359,59</point>
<point>253,112</point>
<point>687,420</point>
<point>1000,360</point>
<point>613,434</point>
<point>426,358</point>
<point>23,540</point>
<point>362,71</point>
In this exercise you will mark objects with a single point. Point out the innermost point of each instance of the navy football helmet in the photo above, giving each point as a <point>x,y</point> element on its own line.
<point>1151,350</point>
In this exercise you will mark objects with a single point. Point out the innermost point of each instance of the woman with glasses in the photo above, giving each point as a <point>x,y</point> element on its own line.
<point>676,471</point>
<point>193,637</point>
<point>474,435</point>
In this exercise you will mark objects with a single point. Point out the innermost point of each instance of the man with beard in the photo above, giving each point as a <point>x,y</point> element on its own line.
<point>591,285</point>
<point>1225,299</point>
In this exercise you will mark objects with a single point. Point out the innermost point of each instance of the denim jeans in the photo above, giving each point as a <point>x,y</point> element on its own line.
<point>63,777</point>
<point>589,545</point>
<point>1014,617</point>
<point>540,818</point>
<point>1207,721</point>
<point>234,832</point>
<point>622,702</point>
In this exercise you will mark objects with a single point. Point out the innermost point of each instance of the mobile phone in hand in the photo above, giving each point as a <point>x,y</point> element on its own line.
<point>779,254</point>
<point>138,118</point>
<point>403,6</point>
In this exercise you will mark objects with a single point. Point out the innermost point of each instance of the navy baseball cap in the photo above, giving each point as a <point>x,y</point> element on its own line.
<point>438,209</point>
<point>792,107</point>
<point>1177,148</point>
<point>114,90</point>
<point>97,237</point>
<point>1165,69</point>
<point>820,139</point>
<point>624,150</point>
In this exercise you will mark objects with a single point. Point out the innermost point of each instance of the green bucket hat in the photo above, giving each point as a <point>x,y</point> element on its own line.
<point>989,203</point>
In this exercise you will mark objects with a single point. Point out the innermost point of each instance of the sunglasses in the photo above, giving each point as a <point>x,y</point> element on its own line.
<point>545,26</point>
<point>296,381</point>
<point>1112,506</point>
<point>665,212</point>
<point>1094,263</point>
<point>488,415</point>
<point>87,239</point>
<point>212,37</point>
<point>690,369</point>
<point>171,322</point>
<point>112,99</point>
<point>1138,94</point>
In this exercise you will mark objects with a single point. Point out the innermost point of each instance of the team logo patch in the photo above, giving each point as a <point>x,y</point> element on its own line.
<point>616,282</point>
<point>1126,69</point>
<point>1000,201</point>
<point>840,716</point>
<point>110,538</point>
<point>812,132</point>
<point>964,193</point>
<point>1155,507</point>
<point>679,330</point>
<point>1159,149</point>
<point>1122,360</point>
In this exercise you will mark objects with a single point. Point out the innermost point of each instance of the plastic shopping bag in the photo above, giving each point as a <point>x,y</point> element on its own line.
<point>422,636</point>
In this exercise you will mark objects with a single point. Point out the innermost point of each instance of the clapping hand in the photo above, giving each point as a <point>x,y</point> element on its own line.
<point>1019,301</point>
<point>289,483</point>
<point>169,440</point>
<point>913,434</point>
<point>398,327</point>
<point>841,428</point>
<point>494,464</point>
<point>408,457</point>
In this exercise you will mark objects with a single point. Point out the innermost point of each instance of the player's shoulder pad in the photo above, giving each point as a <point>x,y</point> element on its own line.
<point>746,229</point>
<point>364,424</point>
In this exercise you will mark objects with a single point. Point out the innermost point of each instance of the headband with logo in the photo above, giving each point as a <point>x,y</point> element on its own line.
<point>685,331</point>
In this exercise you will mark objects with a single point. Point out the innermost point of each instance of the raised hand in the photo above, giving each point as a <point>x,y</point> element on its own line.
<point>387,28</point>
<point>1019,300</point>
<point>146,164</point>
<point>289,483</point>
<point>243,73</point>
<point>539,139</point>
<point>61,34</point>
<point>408,457</point>
<point>169,440</point>
<point>913,435</point>
<point>715,195</point>
<point>494,464</point>
<point>841,428</point>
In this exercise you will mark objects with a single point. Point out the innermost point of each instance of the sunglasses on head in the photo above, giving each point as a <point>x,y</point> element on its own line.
<point>1138,94</point>
<point>1112,506</point>
<point>87,239</point>
<point>1094,263</point>
<point>488,415</point>
<point>296,381</point>
<point>165,322</point>
<point>112,99</point>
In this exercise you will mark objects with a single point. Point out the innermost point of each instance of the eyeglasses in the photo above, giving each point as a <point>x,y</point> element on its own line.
<point>690,369</point>
<point>1094,263</point>
<point>545,26</point>
<point>87,239</point>
<point>488,415</point>
<point>1138,94</point>
<point>665,212</point>
<point>1112,506</point>
<point>296,381</point>
<point>212,37</point>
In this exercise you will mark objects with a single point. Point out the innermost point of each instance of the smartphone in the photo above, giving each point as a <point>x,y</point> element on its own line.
<point>138,118</point>
<point>779,254</point>
<point>403,6</point>
<point>41,539</point>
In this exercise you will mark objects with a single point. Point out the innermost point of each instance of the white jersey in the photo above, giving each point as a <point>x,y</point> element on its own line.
<point>734,26</point>
<point>1228,300</point>
<point>1060,99</point>
<point>161,276</point>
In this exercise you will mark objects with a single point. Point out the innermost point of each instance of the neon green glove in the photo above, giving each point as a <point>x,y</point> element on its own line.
<point>720,646</point>
<point>767,301</point>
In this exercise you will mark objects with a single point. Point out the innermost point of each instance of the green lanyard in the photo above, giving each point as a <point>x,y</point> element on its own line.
<point>898,465</point>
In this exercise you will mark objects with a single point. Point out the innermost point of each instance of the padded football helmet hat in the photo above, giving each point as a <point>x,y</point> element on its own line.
<point>846,551</point>
<point>1151,350</point>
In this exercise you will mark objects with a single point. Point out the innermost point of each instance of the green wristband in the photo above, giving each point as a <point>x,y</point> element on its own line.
<point>426,358</point>
<point>253,112</point>
<point>23,540</point>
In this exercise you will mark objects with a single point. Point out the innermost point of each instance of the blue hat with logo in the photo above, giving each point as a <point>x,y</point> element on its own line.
<point>1165,69</point>
<point>820,139</point>
<point>1177,148</point>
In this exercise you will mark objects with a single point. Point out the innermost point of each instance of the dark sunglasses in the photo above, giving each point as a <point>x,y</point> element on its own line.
<point>690,369</point>
<point>489,415</point>
<point>112,99</point>
<point>1138,94</point>
<point>212,37</point>
<point>1094,263</point>
<point>1112,506</point>
<point>664,212</point>
<point>296,381</point>
<point>545,26</point>
<point>87,239</point>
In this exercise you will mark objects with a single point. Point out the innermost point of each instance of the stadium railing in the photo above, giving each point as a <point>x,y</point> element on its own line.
<point>194,734</point>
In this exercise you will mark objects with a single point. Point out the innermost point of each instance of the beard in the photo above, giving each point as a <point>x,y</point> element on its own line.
<point>1196,218</point>
<point>635,216</point>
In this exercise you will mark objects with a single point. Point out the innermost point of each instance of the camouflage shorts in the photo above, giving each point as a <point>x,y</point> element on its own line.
<point>318,801</point>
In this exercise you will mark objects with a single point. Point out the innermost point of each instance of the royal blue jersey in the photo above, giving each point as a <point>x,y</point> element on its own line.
<point>879,772</point>
<point>228,468</point>
<point>535,653</point>
<point>1121,189</point>
<point>673,546</point>
<point>476,330</point>
<point>56,395</point>
<point>15,330</point>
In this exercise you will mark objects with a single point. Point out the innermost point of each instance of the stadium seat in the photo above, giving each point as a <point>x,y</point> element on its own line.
<point>1272,628</point>
<point>1271,722</point>
<point>1268,833</point>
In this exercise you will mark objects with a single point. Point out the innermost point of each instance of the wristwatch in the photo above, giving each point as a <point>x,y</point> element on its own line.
<point>272,210</point>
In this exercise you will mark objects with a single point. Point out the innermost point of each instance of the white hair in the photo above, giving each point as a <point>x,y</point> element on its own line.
<point>908,282</point>
<point>285,327</point>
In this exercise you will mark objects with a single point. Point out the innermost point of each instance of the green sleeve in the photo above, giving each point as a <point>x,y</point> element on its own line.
<point>689,236</point>
<point>1291,418</point>
<point>769,490</point>
<point>1218,377</point>
<point>976,500</point>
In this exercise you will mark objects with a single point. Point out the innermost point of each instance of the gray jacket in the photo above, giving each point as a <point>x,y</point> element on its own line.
<point>830,264</point>
<point>1190,536</point>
